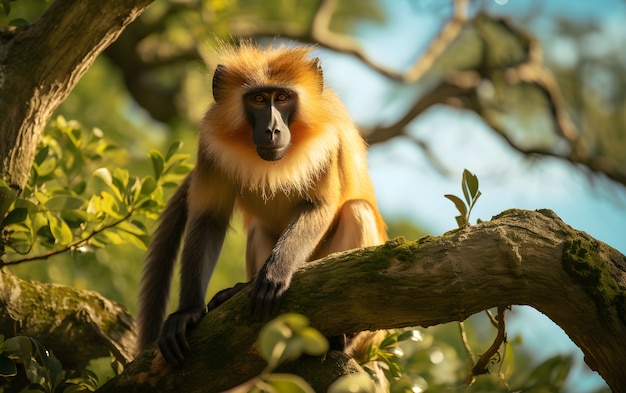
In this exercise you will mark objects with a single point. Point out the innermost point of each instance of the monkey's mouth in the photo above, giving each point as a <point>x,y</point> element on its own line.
<point>271,153</point>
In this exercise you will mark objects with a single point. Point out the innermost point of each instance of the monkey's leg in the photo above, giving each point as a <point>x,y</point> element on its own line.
<point>356,227</point>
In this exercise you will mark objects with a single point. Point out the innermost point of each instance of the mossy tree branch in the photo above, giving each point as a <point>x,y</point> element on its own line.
<point>76,325</point>
<point>520,257</point>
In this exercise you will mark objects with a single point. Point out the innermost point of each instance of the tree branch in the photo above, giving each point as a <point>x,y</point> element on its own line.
<point>76,325</point>
<point>520,257</point>
<point>41,63</point>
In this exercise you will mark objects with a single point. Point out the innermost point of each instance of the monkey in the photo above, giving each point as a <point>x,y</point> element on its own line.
<point>278,146</point>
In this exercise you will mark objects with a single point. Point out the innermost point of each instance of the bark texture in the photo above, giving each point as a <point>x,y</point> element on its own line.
<point>41,63</point>
<point>520,257</point>
<point>76,325</point>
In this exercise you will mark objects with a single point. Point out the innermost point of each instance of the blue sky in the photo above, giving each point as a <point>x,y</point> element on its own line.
<point>409,188</point>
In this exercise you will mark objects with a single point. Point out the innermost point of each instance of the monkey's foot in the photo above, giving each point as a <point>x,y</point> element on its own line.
<point>223,295</point>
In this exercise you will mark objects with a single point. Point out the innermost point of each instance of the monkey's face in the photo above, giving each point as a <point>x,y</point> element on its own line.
<point>269,110</point>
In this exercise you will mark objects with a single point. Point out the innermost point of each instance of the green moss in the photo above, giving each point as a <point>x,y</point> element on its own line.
<point>581,260</point>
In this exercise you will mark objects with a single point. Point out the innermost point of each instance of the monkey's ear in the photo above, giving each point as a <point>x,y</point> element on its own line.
<point>316,65</point>
<point>218,77</point>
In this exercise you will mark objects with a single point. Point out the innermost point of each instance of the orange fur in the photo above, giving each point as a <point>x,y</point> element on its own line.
<point>323,134</point>
<point>314,200</point>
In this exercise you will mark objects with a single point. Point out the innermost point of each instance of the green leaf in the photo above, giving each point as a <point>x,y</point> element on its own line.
<point>411,335</point>
<point>121,178</point>
<point>293,349</point>
<point>135,190</point>
<point>75,217</point>
<point>460,205</point>
<point>288,383</point>
<point>7,197</point>
<point>141,242</point>
<point>18,22</point>
<point>59,229</point>
<point>60,203</point>
<point>294,320</point>
<point>158,163</point>
<point>461,221</point>
<point>148,205</point>
<point>42,155</point>
<point>551,372</point>
<point>174,147</point>
<point>354,383</point>
<point>79,187</point>
<point>273,341</point>
<point>109,205</point>
<point>8,368</point>
<point>133,227</point>
<point>466,195</point>
<point>61,122</point>
<point>26,204</point>
<point>15,216</point>
<point>105,175</point>
<point>148,185</point>
<point>113,237</point>
<point>313,342</point>
<point>47,167</point>
<point>472,183</point>
<point>19,347</point>
<point>6,4</point>
<point>41,354</point>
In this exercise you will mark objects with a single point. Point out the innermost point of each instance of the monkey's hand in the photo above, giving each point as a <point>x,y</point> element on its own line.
<point>173,341</point>
<point>266,294</point>
<point>223,295</point>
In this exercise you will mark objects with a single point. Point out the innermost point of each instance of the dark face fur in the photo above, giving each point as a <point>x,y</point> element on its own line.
<point>269,110</point>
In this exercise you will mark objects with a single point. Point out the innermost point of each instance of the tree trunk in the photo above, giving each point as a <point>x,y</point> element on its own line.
<point>41,63</point>
<point>520,257</point>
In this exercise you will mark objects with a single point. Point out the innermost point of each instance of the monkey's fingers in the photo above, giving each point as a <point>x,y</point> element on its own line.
<point>173,340</point>
<point>223,295</point>
<point>172,349</point>
<point>265,299</point>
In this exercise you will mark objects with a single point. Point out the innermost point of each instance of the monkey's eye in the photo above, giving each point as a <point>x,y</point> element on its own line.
<point>258,98</point>
<point>280,97</point>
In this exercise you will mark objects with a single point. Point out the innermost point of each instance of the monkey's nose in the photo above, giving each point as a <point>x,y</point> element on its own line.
<point>272,134</point>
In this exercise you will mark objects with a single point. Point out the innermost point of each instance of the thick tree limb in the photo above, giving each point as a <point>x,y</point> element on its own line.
<point>41,63</point>
<point>520,257</point>
<point>76,325</point>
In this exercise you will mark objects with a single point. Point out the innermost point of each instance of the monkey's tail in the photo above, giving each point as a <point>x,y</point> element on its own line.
<point>157,271</point>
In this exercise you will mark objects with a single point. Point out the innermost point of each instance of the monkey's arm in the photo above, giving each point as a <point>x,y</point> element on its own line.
<point>209,214</point>
<point>157,271</point>
<point>295,246</point>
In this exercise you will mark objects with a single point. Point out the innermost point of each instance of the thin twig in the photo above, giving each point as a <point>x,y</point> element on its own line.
<point>465,342</point>
<point>321,33</point>
<point>492,319</point>
<point>481,365</point>
<point>68,247</point>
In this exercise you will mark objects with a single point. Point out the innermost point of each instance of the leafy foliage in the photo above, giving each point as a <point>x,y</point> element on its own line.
<point>16,13</point>
<point>286,337</point>
<point>72,205</point>
<point>469,185</point>
<point>44,372</point>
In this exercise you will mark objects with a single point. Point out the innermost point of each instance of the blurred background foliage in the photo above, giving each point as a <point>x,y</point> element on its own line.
<point>151,87</point>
